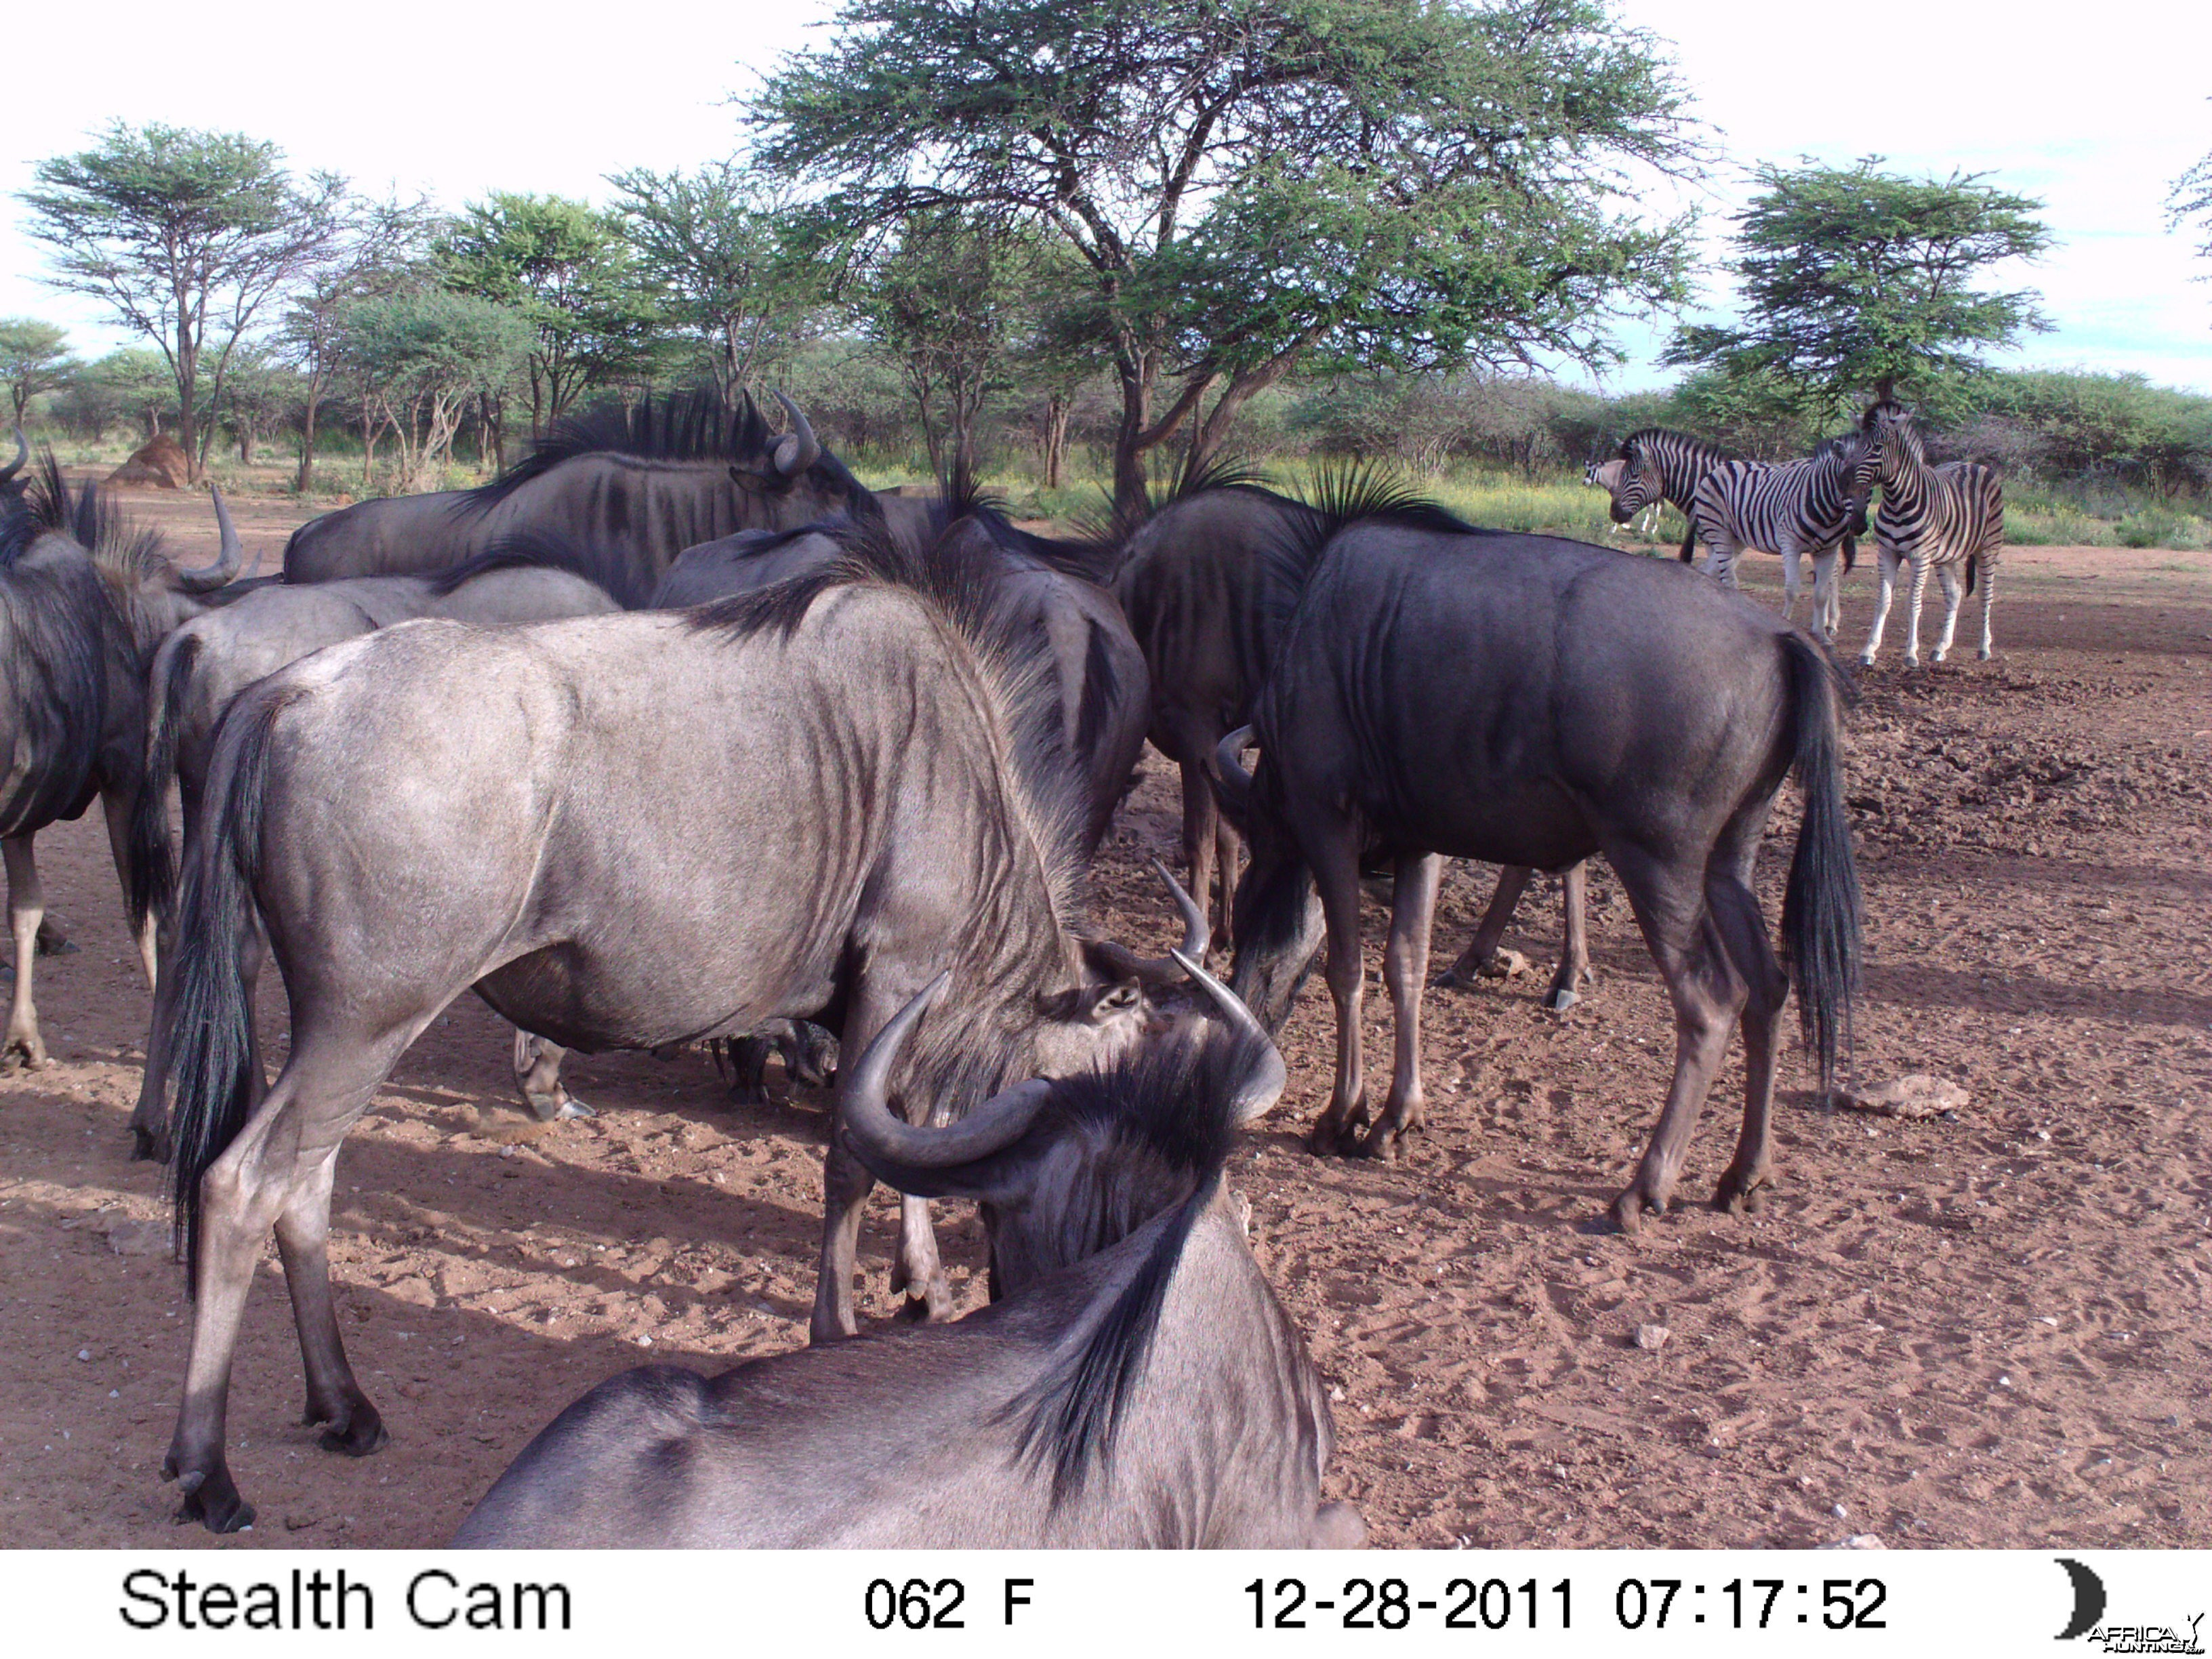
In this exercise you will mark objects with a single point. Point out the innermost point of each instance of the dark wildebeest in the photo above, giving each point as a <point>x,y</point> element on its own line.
<point>1208,596</point>
<point>662,828</point>
<point>635,486</point>
<point>1138,1387</point>
<point>1532,701</point>
<point>1041,599</point>
<point>202,665</point>
<point>84,599</point>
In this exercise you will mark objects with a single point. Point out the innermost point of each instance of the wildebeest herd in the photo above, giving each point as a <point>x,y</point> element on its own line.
<point>676,734</point>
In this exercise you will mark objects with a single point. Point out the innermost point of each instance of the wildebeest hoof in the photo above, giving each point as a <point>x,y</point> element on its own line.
<point>211,1498</point>
<point>51,944</point>
<point>23,1053</point>
<point>1629,1210</point>
<point>1984,656</point>
<point>747,1094</point>
<point>359,1432</point>
<point>572,1108</point>
<point>147,1147</point>
<point>1560,1000</point>
<point>1741,1194</point>
<point>1866,659</point>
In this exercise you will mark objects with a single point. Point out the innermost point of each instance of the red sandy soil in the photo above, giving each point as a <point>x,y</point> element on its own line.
<point>1990,1331</point>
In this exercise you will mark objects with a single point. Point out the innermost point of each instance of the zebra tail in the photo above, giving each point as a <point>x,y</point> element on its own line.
<point>1821,908</point>
<point>210,1020</point>
<point>1850,553</point>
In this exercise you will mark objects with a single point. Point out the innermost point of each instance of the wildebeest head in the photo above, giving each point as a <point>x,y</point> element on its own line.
<point>1279,922</point>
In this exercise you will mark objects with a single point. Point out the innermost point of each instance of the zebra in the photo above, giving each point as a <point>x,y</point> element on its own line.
<point>1939,516</point>
<point>1604,475</point>
<point>1791,507</point>
<point>1658,467</point>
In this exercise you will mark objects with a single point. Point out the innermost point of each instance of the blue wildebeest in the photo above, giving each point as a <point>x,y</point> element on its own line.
<point>1041,600</point>
<point>665,828</point>
<point>1134,1384</point>
<point>84,599</point>
<point>1208,596</point>
<point>203,666</point>
<point>1532,701</point>
<point>635,486</point>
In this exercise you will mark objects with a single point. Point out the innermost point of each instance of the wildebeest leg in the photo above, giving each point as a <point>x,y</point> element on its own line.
<point>1948,576</point>
<point>1201,817</point>
<point>1405,971</point>
<point>335,1400</point>
<point>1228,851</point>
<point>1887,590</point>
<point>1513,878</point>
<point>537,1075</point>
<point>27,905</point>
<point>915,1269</point>
<point>116,810</point>
<point>1337,878</point>
<point>1687,942</point>
<point>845,1184</point>
<point>748,1070</point>
<point>274,1164</point>
<point>1743,930</point>
<point>1574,944</point>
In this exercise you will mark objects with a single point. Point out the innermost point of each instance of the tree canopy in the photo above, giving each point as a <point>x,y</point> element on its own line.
<point>35,357</point>
<point>1249,182</point>
<point>1855,281</point>
<point>186,234</point>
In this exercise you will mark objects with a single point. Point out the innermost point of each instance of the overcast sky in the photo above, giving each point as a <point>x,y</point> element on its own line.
<point>2096,119</point>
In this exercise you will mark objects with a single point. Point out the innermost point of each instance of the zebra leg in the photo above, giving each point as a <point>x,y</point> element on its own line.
<point>1948,575</point>
<point>1790,583</point>
<point>1914,594</point>
<point>1824,594</point>
<point>1989,577</point>
<point>1888,591</point>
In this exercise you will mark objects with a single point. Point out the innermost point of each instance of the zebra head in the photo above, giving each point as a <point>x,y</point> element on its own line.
<point>1892,439</point>
<point>1637,486</point>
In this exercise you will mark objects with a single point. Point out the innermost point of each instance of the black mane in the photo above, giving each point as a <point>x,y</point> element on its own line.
<point>91,519</point>
<point>1335,498</point>
<point>527,549</point>
<point>1163,1124</point>
<point>680,426</point>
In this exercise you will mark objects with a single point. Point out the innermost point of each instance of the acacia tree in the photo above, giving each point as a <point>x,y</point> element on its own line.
<point>721,254</point>
<point>1855,280</point>
<point>35,357</point>
<point>564,267</point>
<point>187,235</point>
<point>419,359</point>
<point>376,248</point>
<point>2191,198</point>
<point>1252,183</point>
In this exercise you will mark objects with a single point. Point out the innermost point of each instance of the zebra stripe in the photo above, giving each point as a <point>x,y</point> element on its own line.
<point>1791,508</point>
<point>1938,517</point>
<point>1662,465</point>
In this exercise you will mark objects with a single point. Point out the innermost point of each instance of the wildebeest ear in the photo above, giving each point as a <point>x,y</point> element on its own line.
<point>1116,1000</point>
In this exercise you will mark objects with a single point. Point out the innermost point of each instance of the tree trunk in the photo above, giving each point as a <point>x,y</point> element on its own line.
<point>1055,437</point>
<point>244,445</point>
<point>305,477</point>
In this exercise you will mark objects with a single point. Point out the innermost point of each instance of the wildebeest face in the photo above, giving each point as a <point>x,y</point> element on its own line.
<point>1090,1027</point>
<point>1278,920</point>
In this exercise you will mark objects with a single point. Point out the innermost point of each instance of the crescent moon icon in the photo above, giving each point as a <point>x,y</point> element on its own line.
<point>2088,1598</point>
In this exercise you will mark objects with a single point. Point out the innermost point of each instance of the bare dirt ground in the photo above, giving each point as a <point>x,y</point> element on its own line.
<point>1994,1330</point>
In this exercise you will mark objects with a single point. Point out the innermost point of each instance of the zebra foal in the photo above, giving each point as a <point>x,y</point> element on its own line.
<point>1815,506</point>
<point>1938,517</point>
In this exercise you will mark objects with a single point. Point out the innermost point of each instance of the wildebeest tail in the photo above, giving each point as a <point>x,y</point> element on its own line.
<point>1820,911</point>
<point>210,1020</point>
<point>153,872</point>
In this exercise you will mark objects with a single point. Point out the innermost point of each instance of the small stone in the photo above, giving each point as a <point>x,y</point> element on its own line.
<point>84,1353</point>
<point>1652,1337</point>
<point>115,1394</point>
<point>1505,964</point>
<point>127,1238</point>
<point>1857,1541</point>
<point>644,1342</point>
<point>299,1522</point>
<point>1336,1393</point>
<point>1916,1095</point>
<point>1840,1513</point>
<point>2004,1381</point>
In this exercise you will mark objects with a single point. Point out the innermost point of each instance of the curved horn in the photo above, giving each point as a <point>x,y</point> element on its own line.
<point>889,1145</point>
<point>800,449</point>
<point>1265,1086</point>
<point>1158,970</point>
<point>23,454</point>
<point>225,567</point>
<point>1231,781</point>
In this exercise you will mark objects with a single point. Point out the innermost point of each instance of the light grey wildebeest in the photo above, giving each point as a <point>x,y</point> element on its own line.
<point>649,829</point>
<point>1135,1383</point>
<point>202,665</point>
<point>1040,599</point>
<point>85,598</point>
<point>1208,595</point>
<point>1532,700</point>
<point>635,486</point>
